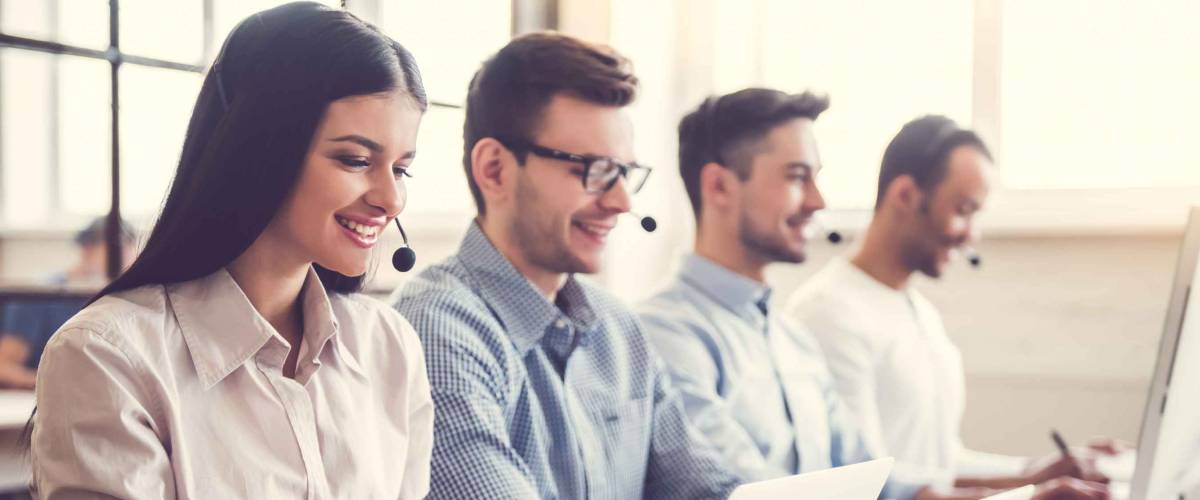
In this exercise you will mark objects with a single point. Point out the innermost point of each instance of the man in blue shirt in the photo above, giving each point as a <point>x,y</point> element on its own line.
<point>755,384</point>
<point>545,386</point>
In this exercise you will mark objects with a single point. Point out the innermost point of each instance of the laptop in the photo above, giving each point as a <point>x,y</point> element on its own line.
<point>862,481</point>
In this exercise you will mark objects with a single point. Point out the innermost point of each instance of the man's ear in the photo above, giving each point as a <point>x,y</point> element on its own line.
<point>904,194</point>
<point>719,186</point>
<point>489,159</point>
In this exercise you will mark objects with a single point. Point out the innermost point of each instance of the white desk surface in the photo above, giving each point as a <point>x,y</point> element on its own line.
<point>15,407</point>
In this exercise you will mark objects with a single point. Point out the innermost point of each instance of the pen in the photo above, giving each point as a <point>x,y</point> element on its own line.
<point>1060,443</point>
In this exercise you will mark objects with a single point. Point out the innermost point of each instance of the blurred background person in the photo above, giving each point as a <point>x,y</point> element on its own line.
<point>26,324</point>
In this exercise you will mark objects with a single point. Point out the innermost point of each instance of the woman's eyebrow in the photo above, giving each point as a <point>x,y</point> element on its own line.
<point>360,140</point>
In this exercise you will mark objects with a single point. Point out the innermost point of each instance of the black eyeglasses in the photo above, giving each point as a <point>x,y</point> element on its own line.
<point>600,173</point>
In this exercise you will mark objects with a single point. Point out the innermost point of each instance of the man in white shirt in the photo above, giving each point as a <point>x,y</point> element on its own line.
<point>893,364</point>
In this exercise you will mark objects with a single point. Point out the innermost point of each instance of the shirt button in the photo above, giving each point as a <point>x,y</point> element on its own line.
<point>560,324</point>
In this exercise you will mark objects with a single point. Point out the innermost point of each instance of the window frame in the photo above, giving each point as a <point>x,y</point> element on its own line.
<point>116,58</point>
<point>1025,211</point>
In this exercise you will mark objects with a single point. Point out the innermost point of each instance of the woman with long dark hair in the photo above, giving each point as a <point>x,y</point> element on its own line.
<point>234,358</point>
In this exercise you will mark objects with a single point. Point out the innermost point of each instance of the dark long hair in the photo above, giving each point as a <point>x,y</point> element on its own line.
<point>251,129</point>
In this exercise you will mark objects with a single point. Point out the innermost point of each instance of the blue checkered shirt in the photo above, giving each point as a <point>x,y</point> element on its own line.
<point>535,399</point>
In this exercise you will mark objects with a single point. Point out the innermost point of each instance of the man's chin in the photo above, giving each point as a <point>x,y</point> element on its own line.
<point>797,255</point>
<point>584,264</point>
<point>791,255</point>
<point>588,267</point>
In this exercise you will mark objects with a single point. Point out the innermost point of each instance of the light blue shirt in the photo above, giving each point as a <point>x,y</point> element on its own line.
<point>753,382</point>
<point>541,399</point>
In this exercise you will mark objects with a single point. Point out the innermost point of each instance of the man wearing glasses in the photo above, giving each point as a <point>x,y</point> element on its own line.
<point>545,386</point>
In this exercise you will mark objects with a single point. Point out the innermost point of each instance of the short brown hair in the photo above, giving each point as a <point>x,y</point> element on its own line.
<point>725,130</point>
<point>509,93</point>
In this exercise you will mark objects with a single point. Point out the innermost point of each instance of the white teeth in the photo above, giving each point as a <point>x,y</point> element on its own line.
<point>597,230</point>
<point>362,229</point>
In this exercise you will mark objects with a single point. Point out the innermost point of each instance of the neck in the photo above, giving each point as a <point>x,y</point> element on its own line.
<point>273,285</point>
<point>722,246</point>
<point>547,282</point>
<point>879,258</point>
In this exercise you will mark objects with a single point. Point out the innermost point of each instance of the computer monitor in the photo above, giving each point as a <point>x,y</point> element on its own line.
<point>1168,460</point>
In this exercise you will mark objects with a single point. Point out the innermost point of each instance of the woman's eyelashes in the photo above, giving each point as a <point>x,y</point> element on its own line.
<point>354,161</point>
<point>358,163</point>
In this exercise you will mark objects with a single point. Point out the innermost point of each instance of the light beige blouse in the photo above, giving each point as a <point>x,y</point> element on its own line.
<point>178,392</point>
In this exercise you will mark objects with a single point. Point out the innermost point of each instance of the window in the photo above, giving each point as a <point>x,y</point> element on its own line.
<point>172,31</point>
<point>56,113</point>
<point>1100,94</point>
<point>448,38</point>
<point>882,64</point>
<point>448,47</point>
<point>82,23</point>
<point>55,168</point>
<point>62,142</point>
<point>56,82</point>
<point>156,106</point>
<point>439,185</point>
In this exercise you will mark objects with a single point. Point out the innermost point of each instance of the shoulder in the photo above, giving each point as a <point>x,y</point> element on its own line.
<point>441,302</point>
<point>121,336</point>
<point>457,330</point>
<point>826,287</point>
<point>368,324</point>
<point>674,311</point>
<point>132,321</point>
<point>440,289</point>
<point>921,303</point>
<point>828,309</point>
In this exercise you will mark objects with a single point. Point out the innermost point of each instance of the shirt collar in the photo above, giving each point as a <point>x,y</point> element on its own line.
<point>733,291</point>
<point>223,330</point>
<point>521,308</point>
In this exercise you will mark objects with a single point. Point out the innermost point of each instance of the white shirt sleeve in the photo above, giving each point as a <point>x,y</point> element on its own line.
<point>420,443</point>
<point>109,447</point>
<point>974,463</point>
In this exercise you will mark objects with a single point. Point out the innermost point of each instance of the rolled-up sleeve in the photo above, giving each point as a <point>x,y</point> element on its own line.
<point>107,448</point>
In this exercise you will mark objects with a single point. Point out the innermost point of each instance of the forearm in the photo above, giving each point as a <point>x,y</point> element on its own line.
<point>973,493</point>
<point>995,482</point>
<point>981,469</point>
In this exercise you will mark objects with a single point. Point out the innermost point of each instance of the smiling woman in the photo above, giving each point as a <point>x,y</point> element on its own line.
<point>235,350</point>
